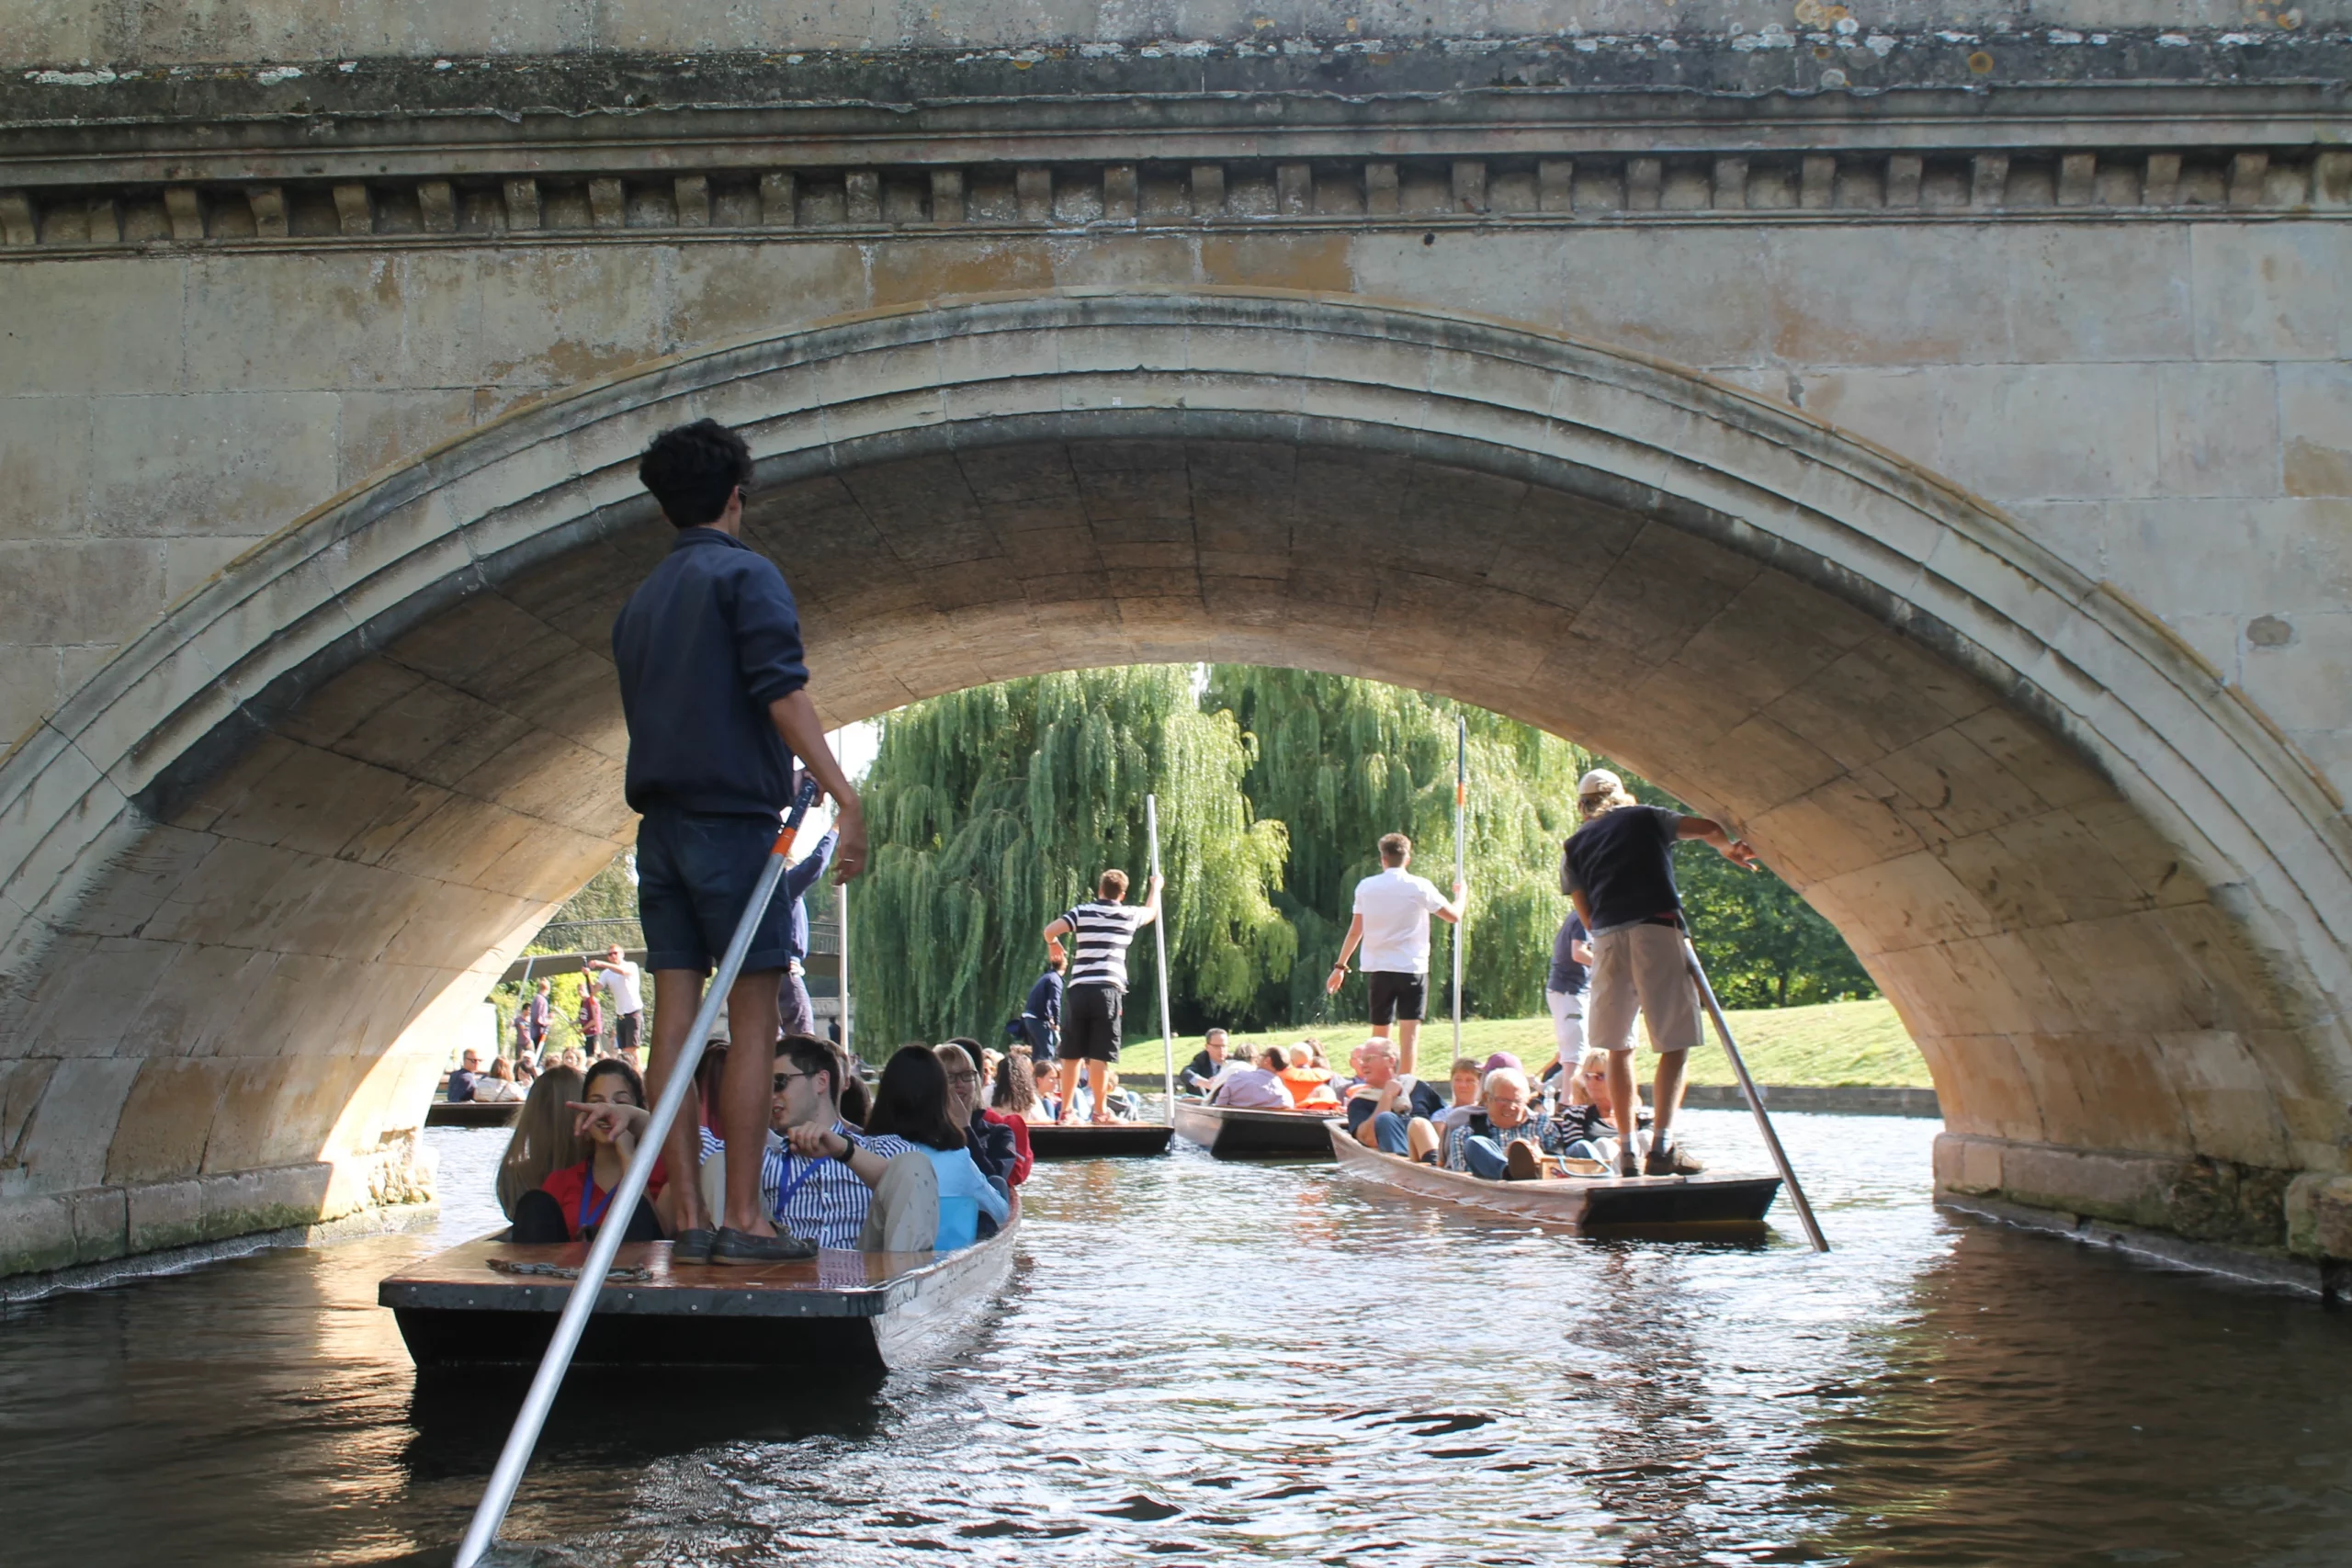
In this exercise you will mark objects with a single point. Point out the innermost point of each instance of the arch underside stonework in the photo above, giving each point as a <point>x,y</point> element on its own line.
<point>2108,904</point>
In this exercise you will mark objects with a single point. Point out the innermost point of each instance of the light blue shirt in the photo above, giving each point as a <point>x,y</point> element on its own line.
<point>964,1195</point>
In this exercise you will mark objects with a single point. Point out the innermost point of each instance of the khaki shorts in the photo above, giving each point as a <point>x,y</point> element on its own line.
<point>1567,1025</point>
<point>1641,969</point>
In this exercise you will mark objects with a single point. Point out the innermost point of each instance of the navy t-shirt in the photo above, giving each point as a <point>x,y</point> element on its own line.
<point>1568,976</point>
<point>1623,862</point>
<point>1045,998</point>
<point>702,646</point>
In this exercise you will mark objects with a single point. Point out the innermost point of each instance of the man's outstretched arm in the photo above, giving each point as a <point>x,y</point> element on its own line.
<point>1707,831</point>
<point>795,717</point>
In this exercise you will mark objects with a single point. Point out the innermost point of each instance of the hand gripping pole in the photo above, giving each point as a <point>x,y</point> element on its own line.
<point>512,1460</point>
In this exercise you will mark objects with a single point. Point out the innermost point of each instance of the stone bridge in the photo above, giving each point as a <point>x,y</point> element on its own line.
<point>1922,434</point>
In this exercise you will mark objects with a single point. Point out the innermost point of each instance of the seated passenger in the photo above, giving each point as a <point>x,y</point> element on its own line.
<point>497,1086</point>
<point>1255,1088</point>
<point>1585,1128</point>
<point>572,1202</point>
<point>1200,1073</point>
<point>1310,1086</point>
<point>1502,1141</point>
<point>820,1178</point>
<point>1390,1110</point>
<point>1467,1081</point>
<point>1014,1093</point>
<point>461,1079</point>
<point>912,1102</point>
<point>544,1140</point>
<point>998,1144</point>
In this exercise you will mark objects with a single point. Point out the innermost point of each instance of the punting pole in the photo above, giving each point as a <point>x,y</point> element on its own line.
<point>1755,1099</point>
<point>841,914</point>
<point>1159,945</point>
<point>508,1474</point>
<point>1461,809</point>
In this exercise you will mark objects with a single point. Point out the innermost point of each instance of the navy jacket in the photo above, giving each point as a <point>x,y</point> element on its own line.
<point>704,646</point>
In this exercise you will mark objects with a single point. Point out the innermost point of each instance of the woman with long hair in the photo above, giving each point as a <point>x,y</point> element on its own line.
<point>609,1117</point>
<point>1015,1092</point>
<point>912,1102</point>
<point>544,1141</point>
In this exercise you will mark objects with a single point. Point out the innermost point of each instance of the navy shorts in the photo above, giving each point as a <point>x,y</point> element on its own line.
<point>694,874</point>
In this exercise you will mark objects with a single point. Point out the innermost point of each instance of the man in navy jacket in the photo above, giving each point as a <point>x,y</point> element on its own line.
<point>714,690</point>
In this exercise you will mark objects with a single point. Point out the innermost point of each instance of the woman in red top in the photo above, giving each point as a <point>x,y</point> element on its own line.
<point>572,1202</point>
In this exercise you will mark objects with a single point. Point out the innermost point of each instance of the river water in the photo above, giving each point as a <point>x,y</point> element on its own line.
<point>1198,1363</point>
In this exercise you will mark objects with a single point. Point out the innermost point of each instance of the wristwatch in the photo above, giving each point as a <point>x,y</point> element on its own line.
<point>849,1146</point>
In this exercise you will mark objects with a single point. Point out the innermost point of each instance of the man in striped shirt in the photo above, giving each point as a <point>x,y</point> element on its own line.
<point>1100,930</point>
<point>807,1190</point>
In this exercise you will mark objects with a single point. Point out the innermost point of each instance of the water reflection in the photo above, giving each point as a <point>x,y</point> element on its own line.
<point>1200,1361</point>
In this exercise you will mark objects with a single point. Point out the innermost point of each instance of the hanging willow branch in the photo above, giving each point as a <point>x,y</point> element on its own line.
<point>992,810</point>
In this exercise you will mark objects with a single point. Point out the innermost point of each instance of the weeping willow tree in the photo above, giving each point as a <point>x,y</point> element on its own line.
<point>992,810</point>
<point>1341,761</point>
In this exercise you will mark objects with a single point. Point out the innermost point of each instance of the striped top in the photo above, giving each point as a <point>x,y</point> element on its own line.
<point>822,1198</point>
<point>1100,934</point>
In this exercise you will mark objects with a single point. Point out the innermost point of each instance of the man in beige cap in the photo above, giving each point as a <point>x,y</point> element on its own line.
<point>1618,869</point>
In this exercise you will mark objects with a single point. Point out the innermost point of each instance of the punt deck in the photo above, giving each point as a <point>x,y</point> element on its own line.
<point>1231,1133</point>
<point>1082,1140</point>
<point>1707,1203</point>
<point>492,1304</point>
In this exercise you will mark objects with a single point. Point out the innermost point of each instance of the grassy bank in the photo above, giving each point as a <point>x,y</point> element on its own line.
<point>1836,1043</point>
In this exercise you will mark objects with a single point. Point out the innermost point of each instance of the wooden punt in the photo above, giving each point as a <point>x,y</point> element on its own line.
<point>473,1113</point>
<point>836,1312</point>
<point>1705,1202</point>
<point>1230,1132</point>
<point>1083,1140</point>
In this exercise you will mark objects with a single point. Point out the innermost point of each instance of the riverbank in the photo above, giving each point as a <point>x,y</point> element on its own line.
<point>1831,1045</point>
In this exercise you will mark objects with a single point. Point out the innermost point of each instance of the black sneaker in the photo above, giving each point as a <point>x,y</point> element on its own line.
<point>1670,1158</point>
<point>744,1248</point>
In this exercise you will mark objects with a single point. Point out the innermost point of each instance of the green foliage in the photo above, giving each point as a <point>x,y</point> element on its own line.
<point>1342,762</point>
<point>603,912</point>
<point>992,810</point>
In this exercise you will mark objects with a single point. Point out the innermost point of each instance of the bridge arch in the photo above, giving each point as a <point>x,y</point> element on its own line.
<point>2107,898</point>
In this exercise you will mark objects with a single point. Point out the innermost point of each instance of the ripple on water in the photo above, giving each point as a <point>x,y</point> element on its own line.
<point>1193,1363</point>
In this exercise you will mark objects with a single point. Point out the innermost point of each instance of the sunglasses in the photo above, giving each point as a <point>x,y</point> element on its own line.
<point>783,1078</point>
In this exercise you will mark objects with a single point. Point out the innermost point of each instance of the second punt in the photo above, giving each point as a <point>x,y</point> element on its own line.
<point>1706,1202</point>
<point>1228,1132</point>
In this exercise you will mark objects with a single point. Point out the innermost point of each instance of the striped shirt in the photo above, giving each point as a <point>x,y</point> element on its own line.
<point>1101,933</point>
<point>822,1198</point>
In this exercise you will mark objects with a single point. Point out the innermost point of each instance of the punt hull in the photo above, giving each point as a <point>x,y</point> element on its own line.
<point>1080,1140</point>
<point>473,1113</point>
<point>1702,1203</point>
<point>837,1312</point>
<point>1231,1133</point>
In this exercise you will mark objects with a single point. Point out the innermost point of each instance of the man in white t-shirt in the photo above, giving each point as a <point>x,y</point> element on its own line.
<point>1392,922</point>
<point>619,979</point>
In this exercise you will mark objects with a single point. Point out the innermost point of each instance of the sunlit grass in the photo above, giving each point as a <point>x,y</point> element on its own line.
<point>1831,1045</point>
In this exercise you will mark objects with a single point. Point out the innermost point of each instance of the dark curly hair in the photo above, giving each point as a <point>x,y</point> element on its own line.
<point>691,469</point>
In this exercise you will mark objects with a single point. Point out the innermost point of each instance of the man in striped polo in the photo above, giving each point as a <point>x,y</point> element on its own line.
<point>1100,928</point>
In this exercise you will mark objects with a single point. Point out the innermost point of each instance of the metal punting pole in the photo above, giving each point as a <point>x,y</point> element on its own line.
<point>1159,945</point>
<point>507,1476</point>
<point>1461,809</point>
<point>1755,1099</point>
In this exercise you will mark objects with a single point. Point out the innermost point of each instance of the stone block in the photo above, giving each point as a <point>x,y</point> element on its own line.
<point>2318,1207</point>
<point>2075,295</point>
<point>36,1234</point>
<point>2270,291</point>
<point>79,591</point>
<point>94,325</point>
<point>45,452</point>
<point>1468,177</point>
<point>409,320</point>
<point>2052,431</point>
<point>243,464</point>
<point>2316,428</point>
<point>164,1213</point>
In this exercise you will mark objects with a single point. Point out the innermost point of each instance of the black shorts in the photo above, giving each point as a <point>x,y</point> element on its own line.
<point>1395,995</point>
<point>625,1030</point>
<point>1090,1024</point>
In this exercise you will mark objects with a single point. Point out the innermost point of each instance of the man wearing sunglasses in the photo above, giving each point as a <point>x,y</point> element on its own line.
<point>819,1177</point>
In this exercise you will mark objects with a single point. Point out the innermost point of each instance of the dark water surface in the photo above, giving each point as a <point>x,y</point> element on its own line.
<point>1198,1363</point>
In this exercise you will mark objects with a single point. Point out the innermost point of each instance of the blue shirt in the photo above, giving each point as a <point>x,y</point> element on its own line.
<point>1568,976</point>
<point>964,1195</point>
<point>1045,1001</point>
<point>796,882</point>
<point>702,646</point>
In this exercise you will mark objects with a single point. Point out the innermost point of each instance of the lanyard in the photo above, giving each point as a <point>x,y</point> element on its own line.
<point>587,1186</point>
<point>784,1194</point>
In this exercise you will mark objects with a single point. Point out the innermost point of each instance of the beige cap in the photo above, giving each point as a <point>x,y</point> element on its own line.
<point>1601,781</point>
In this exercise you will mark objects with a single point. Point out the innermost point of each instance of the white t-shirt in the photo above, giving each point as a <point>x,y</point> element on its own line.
<point>621,985</point>
<point>1396,905</point>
